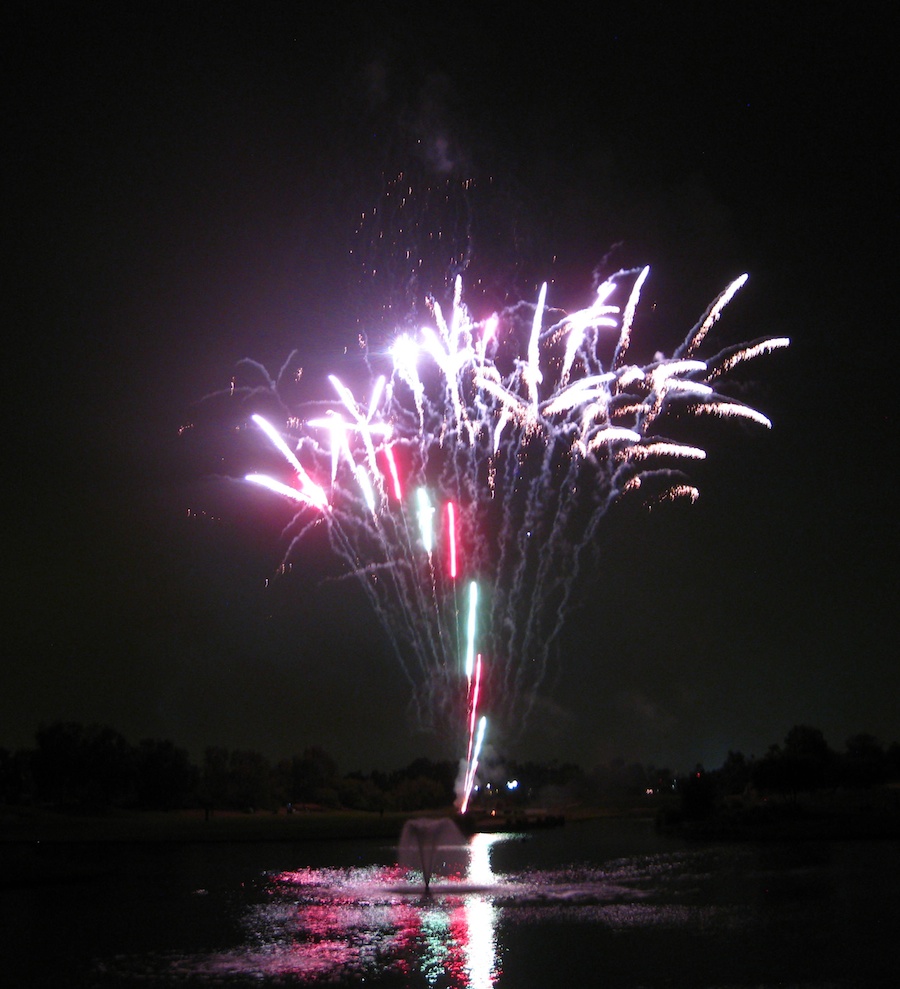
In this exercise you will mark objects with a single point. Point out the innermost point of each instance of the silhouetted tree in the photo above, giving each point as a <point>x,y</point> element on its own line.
<point>360,793</point>
<point>249,780</point>
<point>442,774</point>
<point>309,778</point>
<point>239,779</point>
<point>768,774</point>
<point>698,794</point>
<point>420,793</point>
<point>214,778</point>
<point>165,777</point>
<point>83,766</point>
<point>734,776</point>
<point>810,762</point>
<point>804,763</point>
<point>864,763</point>
<point>15,776</point>
<point>892,763</point>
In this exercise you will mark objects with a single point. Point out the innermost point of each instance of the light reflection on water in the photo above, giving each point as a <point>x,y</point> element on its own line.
<point>375,925</point>
<point>327,925</point>
<point>605,903</point>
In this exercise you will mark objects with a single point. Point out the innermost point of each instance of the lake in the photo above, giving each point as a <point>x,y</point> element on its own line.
<point>605,903</point>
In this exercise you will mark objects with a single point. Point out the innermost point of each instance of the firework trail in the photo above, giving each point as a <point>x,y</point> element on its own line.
<point>465,485</point>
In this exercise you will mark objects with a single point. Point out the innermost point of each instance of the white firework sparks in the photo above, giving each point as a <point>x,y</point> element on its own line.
<point>471,468</point>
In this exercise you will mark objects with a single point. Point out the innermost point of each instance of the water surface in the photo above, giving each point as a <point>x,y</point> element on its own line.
<point>601,903</point>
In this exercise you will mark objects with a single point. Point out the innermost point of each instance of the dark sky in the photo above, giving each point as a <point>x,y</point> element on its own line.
<point>183,186</point>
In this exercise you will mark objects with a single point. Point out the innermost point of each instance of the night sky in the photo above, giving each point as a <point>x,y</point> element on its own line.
<point>183,189</point>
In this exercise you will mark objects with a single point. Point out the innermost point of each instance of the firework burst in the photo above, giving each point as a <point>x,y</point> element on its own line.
<point>466,482</point>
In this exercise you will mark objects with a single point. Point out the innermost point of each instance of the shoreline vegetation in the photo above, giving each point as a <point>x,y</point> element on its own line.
<point>194,825</point>
<point>858,814</point>
<point>312,823</point>
<point>40,846</point>
<point>88,784</point>
<point>833,815</point>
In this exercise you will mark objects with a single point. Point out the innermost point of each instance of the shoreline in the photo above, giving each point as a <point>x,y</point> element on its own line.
<point>776,821</point>
<point>27,825</point>
<point>40,825</point>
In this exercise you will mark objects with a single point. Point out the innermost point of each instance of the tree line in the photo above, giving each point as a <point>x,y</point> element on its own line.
<point>79,766</point>
<point>803,764</point>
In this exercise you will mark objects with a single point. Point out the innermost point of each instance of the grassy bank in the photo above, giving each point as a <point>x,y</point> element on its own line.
<point>18,825</point>
<point>29,824</point>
